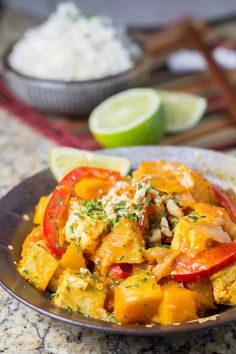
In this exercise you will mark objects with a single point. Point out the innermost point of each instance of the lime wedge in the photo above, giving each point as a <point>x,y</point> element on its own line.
<point>63,159</point>
<point>182,110</point>
<point>132,117</point>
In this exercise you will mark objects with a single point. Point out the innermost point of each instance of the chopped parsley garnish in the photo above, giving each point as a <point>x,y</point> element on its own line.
<point>58,245</point>
<point>92,207</point>
<point>193,217</point>
<point>92,276</point>
<point>120,205</point>
<point>69,309</point>
<point>58,199</point>
<point>112,318</point>
<point>166,246</point>
<point>144,280</point>
<point>132,286</point>
<point>72,228</point>
<point>114,220</point>
<point>78,215</point>
<point>147,201</point>
<point>163,214</point>
<point>138,206</point>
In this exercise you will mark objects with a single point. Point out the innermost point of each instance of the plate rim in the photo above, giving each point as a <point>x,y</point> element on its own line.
<point>108,327</point>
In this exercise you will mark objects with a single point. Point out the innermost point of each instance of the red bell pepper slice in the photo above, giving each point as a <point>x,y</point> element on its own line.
<point>118,273</point>
<point>225,202</point>
<point>57,204</point>
<point>89,172</point>
<point>52,222</point>
<point>187,268</point>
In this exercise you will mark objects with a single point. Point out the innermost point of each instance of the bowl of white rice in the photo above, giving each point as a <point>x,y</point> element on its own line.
<point>72,62</point>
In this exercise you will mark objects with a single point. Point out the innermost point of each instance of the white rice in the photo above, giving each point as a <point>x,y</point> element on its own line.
<point>71,46</point>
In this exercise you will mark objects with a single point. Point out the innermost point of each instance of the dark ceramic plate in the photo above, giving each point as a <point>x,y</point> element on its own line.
<point>22,199</point>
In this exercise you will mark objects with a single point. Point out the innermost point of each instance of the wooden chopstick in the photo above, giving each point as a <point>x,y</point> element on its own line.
<point>201,83</point>
<point>170,38</point>
<point>219,76</point>
<point>199,131</point>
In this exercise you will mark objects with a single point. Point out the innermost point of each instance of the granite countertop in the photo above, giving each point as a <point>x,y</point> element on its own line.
<point>22,153</point>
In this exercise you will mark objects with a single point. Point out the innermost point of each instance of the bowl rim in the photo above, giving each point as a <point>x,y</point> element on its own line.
<point>143,61</point>
<point>8,201</point>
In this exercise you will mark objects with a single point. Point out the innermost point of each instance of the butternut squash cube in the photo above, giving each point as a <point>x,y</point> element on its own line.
<point>178,305</point>
<point>32,238</point>
<point>73,258</point>
<point>38,266</point>
<point>137,298</point>
<point>40,209</point>
<point>77,292</point>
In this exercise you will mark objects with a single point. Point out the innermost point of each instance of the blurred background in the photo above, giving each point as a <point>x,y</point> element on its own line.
<point>178,64</point>
<point>138,13</point>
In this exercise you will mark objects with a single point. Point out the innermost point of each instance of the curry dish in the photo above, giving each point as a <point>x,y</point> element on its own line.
<point>155,247</point>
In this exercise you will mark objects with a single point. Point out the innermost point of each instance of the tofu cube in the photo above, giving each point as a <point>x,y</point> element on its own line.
<point>84,229</point>
<point>77,292</point>
<point>38,266</point>
<point>224,285</point>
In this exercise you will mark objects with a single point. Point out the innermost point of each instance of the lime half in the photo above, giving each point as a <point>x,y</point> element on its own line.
<point>182,110</point>
<point>132,117</point>
<point>63,159</point>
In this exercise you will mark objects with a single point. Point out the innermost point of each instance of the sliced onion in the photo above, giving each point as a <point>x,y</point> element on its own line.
<point>214,233</point>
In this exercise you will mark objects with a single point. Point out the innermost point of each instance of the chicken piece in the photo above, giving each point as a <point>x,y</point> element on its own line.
<point>192,234</point>
<point>218,216</point>
<point>86,222</point>
<point>224,285</point>
<point>81,293</point>
<point>38,266</point>
<point>164,258</point>
<point>123,245</point>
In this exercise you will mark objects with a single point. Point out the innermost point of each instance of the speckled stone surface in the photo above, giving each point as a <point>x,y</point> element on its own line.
<point>22,153</point>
